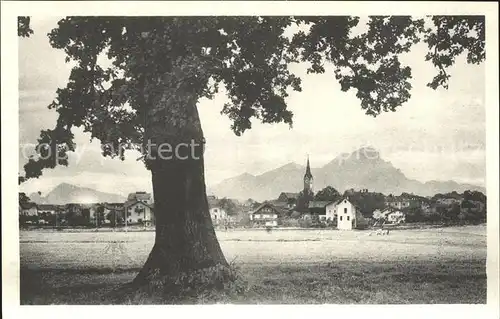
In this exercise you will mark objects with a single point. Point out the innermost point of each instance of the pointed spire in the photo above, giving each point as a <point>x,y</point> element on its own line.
<point>308,168</point>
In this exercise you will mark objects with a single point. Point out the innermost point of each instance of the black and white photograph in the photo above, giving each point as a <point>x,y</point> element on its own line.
<point>251,159</point>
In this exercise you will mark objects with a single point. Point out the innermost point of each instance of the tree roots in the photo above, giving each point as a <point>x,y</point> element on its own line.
<point>206,285</point>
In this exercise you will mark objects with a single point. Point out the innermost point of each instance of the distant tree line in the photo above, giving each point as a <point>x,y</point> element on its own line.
<point>467,207</point>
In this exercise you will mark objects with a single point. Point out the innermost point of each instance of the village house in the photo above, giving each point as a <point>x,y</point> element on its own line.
<point>402,202</point>
<point>448,201</point>
<point>140,196</point>
<point>390,215</point>
<point>138,212</point>
<point>139,209</point>
<point>47,213</point>
<point>266,215</point>
<point>349,215</point>
<point>396,217</point>
<point>331,210</point>
<point>289,200</point>
<point>47,209</point>
<point>217,213</point>
<point>325,210</point>
<point>28,209</point>
<point>397,202</point>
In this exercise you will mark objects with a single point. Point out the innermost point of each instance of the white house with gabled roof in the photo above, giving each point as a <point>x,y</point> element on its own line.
<point>348,215</point>
<point>217,213</point>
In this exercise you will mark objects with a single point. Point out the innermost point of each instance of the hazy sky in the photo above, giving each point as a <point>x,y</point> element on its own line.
<point>437,135</point>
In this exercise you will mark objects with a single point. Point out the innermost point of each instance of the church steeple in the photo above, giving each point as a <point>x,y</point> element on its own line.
<point>308,178</point>
<point>308,169</point>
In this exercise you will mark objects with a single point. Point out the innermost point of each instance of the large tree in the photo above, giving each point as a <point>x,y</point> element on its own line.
<point>327,194</point>
<point>229,206</point>
<point>303,199</point>
<point>23,199</point>
<point>161,67</point>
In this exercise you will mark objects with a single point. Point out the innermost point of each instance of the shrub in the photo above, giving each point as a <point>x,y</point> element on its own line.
<point>305,223</point>
<point>295,215</point>
<point>245,221</point>
<point>289,222</point>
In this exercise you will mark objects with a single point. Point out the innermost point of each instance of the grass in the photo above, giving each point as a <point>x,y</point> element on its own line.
<point>281,267</point>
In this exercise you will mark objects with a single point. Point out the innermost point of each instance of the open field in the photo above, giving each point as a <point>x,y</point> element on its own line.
<point>445,265</point>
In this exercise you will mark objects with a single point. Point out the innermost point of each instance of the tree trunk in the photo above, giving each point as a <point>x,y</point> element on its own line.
<point>186,253</point>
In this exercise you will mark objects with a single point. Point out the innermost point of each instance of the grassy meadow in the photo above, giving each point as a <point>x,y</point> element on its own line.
<point>440,265</point>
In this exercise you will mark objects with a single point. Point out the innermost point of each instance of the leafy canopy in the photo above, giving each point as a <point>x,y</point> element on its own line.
<point>23,199</point>
<point>228,205</point>
<point>23,27</point>
<point>247,56</point>
<point>327,194</point>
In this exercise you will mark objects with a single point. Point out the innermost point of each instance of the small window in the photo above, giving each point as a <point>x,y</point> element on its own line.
<point>345,210</point>
<point>215,210</point>
<point>347,218</point>
<point>340,218</point>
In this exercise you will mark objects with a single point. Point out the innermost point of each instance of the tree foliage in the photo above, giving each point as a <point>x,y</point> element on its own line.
<point>474,196</point>
<point>23,199</point>
<point>367,201</point>
<point>23,27</point>
<point>115,217</point>
<point>229,206</point>
<point>246,58</point>
<point>303,200</point>
<point>255,205</point>
<point>327,194</point>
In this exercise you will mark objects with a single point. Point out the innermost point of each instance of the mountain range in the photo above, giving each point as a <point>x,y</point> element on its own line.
<point>361,169</point>
<point>66,193</point>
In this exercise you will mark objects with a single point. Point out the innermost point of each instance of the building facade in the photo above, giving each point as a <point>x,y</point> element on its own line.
<point>266,215</point>
<point>139,212</point>
<point>403,202</point>
<point>348,215</point>
<point>138,209</point>
<point>218,215</point>
<point>325,210</point>
<point>140,196</point>
<point>28,209</point>
<point>288,200</point>
<point>47,209</point>
<point>396,217</point>
<point>331,210</point>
